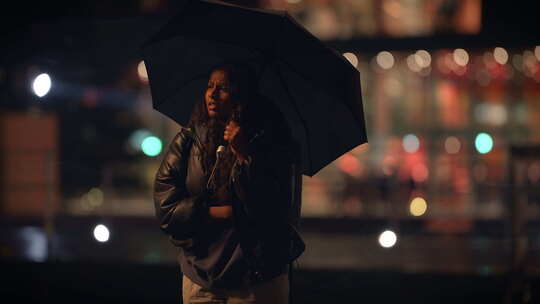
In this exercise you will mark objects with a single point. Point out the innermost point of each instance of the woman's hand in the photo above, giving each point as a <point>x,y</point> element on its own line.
<point>237,140</point>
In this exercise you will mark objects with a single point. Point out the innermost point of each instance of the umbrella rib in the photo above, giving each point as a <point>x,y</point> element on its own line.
<point>295,106</point>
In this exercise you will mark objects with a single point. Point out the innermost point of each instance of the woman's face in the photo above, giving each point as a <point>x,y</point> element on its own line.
<point>218,95</point>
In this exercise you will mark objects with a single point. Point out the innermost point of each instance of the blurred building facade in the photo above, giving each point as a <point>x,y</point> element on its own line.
<point>441,121</point>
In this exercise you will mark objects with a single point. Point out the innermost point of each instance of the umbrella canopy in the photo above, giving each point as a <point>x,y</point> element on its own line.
<point>316,88</point>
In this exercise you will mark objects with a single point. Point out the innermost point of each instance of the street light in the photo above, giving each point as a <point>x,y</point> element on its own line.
<point>101,233</point>
<point>387,239</point>
<point>42,85</point>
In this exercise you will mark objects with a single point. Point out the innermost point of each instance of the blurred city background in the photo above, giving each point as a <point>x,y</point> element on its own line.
<point>442,205</point>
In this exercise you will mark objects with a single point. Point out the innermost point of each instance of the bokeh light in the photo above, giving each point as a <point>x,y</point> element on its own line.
<point>483,143</point>
<point>387,239</point>
<point>461,57</point>
<point>351,58</point>
<point>422,58</point>
<point>452,145</point>
<point>349,164</point>
<point>537,52</point>
<point>101,233</point>
<point>412,64</point>
<point>418,206</point>
<point>411,143</point>
<point>95,197</point>
<point>151,146</point>
<point>42,84</point>
<point>35,241</point>
<point>385,60</point>
<point>500,55</point>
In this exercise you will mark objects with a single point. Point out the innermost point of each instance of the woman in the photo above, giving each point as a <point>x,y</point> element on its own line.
<point>231,217</point>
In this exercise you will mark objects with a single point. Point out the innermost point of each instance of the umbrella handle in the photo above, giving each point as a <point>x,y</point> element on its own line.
<point>219,155</point>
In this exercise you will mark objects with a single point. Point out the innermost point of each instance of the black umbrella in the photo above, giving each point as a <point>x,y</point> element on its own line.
<point>316,88</point>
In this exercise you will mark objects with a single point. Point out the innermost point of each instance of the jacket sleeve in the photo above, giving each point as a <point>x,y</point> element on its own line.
<point>179,214</point>
<point>263,184</point>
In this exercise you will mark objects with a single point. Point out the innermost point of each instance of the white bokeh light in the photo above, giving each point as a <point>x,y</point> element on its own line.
<point>101,233</point>
<point>385,60</point>
<point>500,55</point>
<point>411,143</point>
<point>422,58</point>
<point>412,63</point>
<point>41,84</point>
<point>151,146</point>
<point>461,57</point>
<point>387,239</point>
<point>351,58</point>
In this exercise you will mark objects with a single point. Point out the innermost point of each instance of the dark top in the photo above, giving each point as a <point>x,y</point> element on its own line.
<point>260,241</point>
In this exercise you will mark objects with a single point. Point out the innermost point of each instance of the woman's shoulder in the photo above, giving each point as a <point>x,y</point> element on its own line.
<point>182,137</point>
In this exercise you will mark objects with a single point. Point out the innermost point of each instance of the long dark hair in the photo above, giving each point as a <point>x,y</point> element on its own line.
<point>243,85</point>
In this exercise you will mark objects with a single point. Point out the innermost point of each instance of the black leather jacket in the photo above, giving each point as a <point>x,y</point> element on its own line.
<point>260,240</point>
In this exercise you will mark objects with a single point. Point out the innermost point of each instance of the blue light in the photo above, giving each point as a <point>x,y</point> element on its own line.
<point>151,146</point>
<point>483,143</point>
